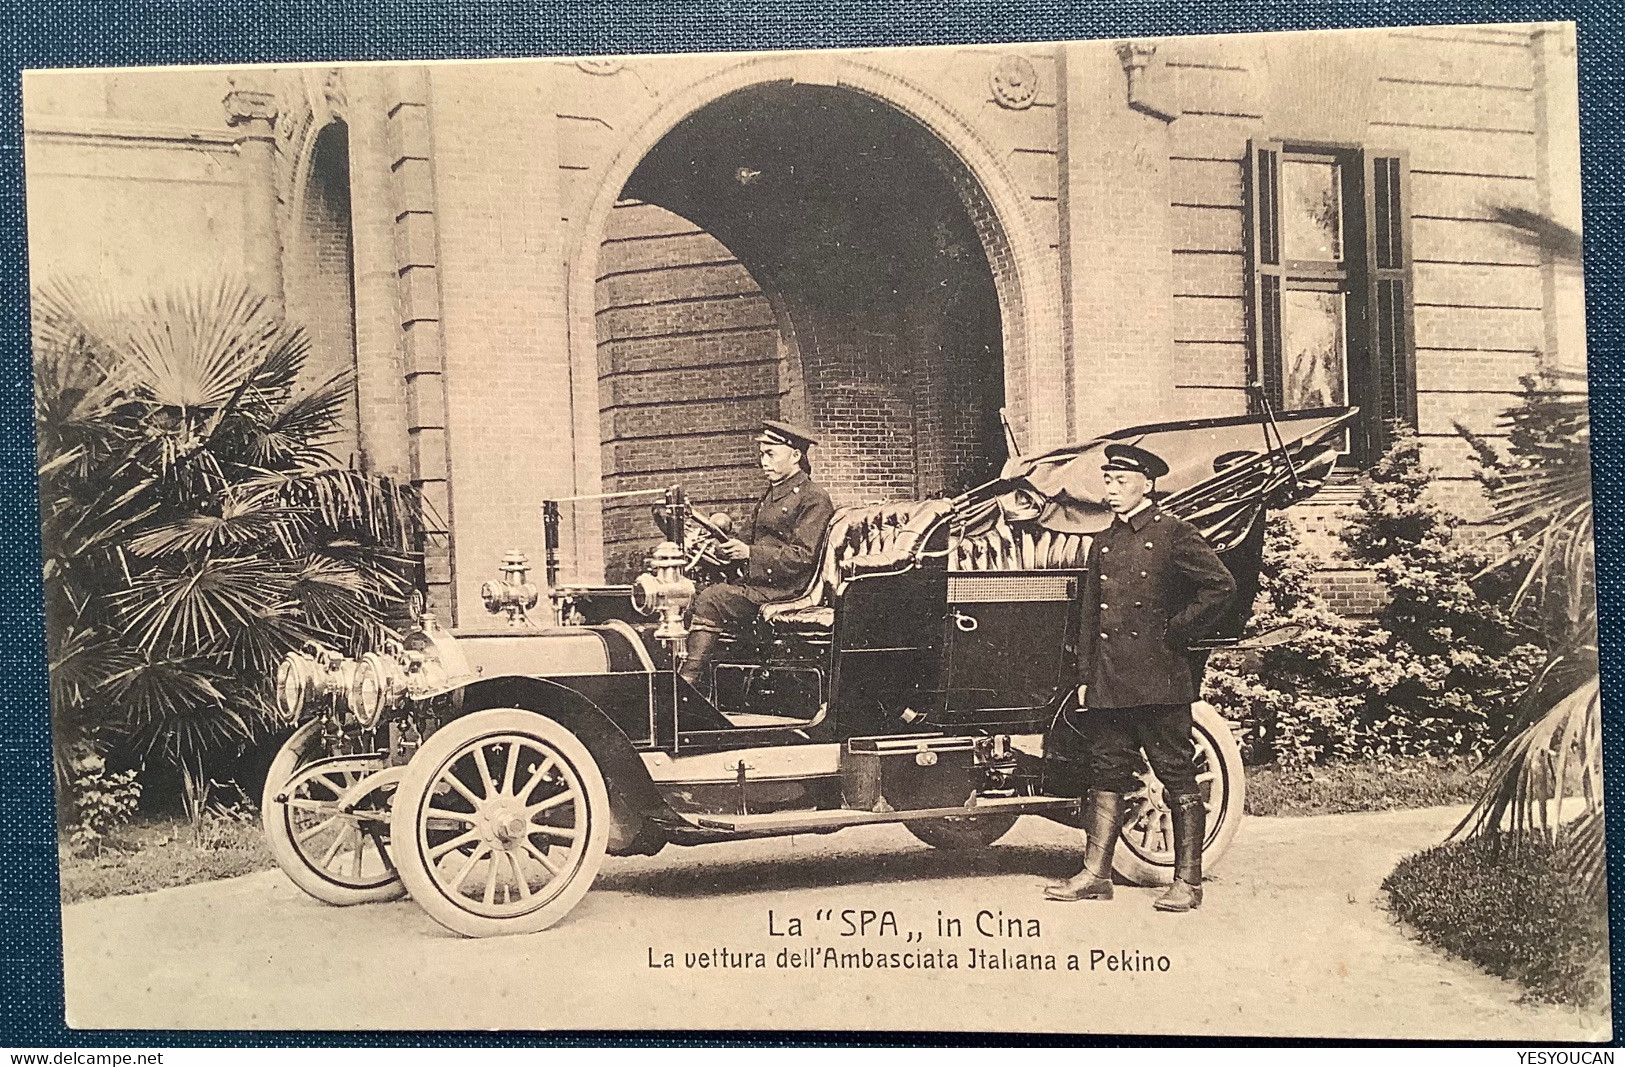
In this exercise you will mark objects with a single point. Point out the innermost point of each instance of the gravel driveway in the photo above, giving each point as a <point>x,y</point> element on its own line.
<point>1291,941</point>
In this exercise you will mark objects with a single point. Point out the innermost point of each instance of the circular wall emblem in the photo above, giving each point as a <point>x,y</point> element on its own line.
<point>600,65</point>
<point>1015,82</point>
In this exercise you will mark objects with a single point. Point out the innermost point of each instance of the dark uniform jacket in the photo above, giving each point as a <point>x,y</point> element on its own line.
<point>784,533</point>
<point>1153,586</point>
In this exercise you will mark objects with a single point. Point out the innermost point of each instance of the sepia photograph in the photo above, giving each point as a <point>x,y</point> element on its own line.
<point>1082,537</point>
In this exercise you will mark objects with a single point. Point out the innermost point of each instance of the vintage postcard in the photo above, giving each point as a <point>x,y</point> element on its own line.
<point>1084,537</point>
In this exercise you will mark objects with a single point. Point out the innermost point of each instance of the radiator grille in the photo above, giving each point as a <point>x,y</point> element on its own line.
<point>1005,589</point>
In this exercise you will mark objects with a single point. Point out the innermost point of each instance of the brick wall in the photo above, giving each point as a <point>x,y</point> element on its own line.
<point>689,365</point>
<point>810,255</point>
<point>1466,107</point>
<point>501,297</point>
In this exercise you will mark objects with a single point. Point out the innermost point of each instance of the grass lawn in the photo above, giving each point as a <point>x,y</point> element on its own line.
<point>156,853</point>
<point>1509,906</point>
<point>1365,786</point>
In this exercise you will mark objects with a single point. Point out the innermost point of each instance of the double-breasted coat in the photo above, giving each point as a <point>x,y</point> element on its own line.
<point>1153,586</point>
<point>784,533</point>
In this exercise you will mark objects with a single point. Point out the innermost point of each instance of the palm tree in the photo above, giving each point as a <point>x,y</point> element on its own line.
<point>196,525</point>
<point>1543,518</point>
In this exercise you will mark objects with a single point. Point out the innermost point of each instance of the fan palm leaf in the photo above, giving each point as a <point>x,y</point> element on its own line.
<point>297,432</point>
<point>199,352</point>
<point>1528,777</point>
<point>197,606</point>
<point>243,522</point>
<point>1542,515</point>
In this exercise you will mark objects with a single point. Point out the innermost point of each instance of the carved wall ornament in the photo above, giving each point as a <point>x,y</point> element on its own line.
<point>1150,91</point>
<point>1015,82</point>
<point>335,94</point>
<point>600,65</point>
<point>250,105</point>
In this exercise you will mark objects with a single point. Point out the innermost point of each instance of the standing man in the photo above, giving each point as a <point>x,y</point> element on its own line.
<point>1154,586</point>
<point>778,548</point>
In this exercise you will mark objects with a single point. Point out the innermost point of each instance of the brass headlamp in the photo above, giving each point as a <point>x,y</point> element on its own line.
<point>666,591</point>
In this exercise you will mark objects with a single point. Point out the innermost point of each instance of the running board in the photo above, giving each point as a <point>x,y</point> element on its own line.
<point>789,822</point>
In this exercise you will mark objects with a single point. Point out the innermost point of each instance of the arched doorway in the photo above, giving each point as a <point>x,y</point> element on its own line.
<point>321,284</point>
<point>803,252</point>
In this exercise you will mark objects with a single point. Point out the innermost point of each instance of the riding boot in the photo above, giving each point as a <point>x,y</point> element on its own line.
<point>1190,829</point>
<point>701,643</point>
<point>1103,822</point>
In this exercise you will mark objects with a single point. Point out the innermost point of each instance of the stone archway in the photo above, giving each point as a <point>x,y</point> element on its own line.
<point>798,251</point>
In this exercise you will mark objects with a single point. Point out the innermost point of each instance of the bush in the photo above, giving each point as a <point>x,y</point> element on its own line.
<point>1438,673</point>
<point>196,524</point>
<point>1459,659</point>
<point>1510,905</point>
<point>101,801</point>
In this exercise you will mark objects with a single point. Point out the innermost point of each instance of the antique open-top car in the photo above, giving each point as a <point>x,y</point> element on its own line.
<point>913,680</point>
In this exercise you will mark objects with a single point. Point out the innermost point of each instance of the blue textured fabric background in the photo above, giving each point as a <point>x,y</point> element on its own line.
<point>125,32</point>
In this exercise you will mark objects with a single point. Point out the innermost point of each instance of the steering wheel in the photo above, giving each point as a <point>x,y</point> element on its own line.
<point>699,545</point>
<point>709,527</point>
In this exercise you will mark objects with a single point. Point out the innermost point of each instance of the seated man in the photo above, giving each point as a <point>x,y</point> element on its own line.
<point>778,547</point>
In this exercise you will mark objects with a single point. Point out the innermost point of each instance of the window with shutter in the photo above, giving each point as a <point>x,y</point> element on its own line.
<point>1329,292</point>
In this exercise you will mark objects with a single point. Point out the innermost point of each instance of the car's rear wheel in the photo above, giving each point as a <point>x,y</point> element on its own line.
<point>961,833</point>
<point>501,823</point>
<point>1145,853</point>
<point>327,822</point>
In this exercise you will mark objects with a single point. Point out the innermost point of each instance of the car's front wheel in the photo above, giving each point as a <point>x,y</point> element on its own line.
<point>1145,854</point>
<point>501,823</point>
<point>326,821</point>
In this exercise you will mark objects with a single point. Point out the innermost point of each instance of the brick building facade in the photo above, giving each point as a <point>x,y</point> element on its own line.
<point>576,276</point>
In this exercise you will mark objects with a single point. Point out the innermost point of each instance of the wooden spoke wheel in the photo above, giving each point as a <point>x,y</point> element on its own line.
<point>501,823</point>
<point>1145,853</point>
<point>327,822</point>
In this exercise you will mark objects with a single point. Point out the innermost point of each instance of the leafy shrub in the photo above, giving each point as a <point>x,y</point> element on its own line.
<point>101,801</point>
<point>1437,673</point>
<point>1510,905</point>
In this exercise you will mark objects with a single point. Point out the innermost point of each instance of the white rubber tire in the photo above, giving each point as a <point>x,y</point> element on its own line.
<point>477,737</point>
<point>327,882</point>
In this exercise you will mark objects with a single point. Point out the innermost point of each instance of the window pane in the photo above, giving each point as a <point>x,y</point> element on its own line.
<point>1313,355</point>
<point>1312,209</point>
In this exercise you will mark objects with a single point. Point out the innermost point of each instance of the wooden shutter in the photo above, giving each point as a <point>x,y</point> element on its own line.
<point>1389,300</point>
<point>1261,201</point>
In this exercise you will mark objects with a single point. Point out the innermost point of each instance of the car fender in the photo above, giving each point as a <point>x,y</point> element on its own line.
<point>634,800</point>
